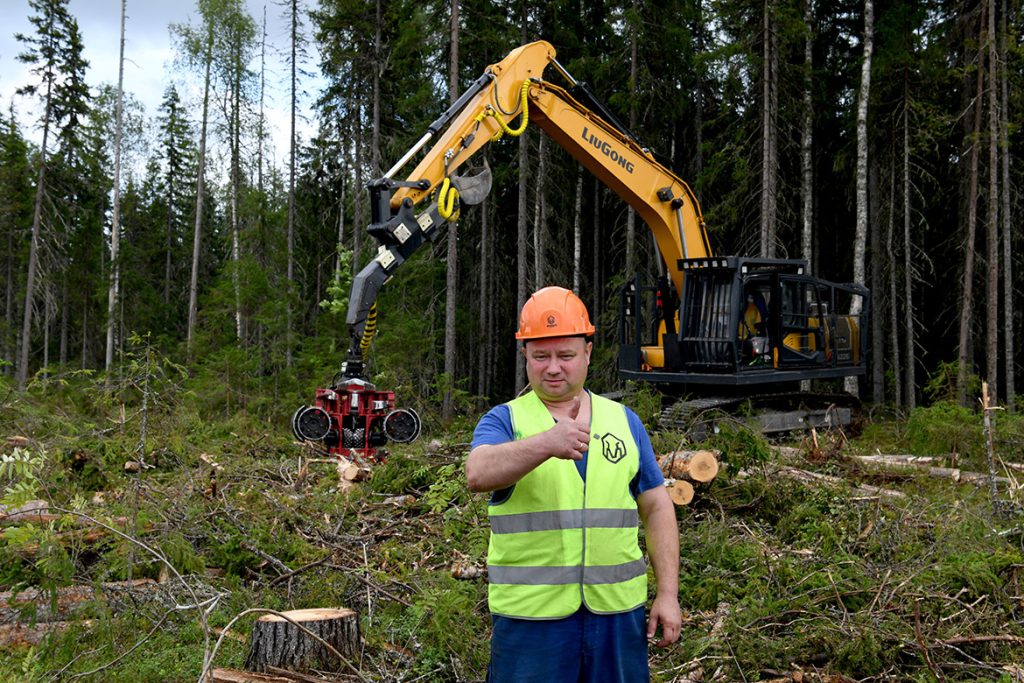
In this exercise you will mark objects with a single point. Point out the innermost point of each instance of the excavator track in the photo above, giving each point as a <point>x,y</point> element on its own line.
<point>771,414</point>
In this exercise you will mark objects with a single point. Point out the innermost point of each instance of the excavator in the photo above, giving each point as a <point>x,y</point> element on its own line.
<point>727,325</point>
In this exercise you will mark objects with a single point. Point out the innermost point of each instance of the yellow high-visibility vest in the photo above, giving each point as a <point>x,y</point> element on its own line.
<point>558,542</point>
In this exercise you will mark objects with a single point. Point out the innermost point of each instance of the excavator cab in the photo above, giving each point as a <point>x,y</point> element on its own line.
<point>743,321</point>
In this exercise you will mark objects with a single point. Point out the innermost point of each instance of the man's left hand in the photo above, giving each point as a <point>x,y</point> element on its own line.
<point>665,612</point>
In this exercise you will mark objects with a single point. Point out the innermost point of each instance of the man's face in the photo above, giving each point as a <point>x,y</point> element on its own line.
<point>557,367</point>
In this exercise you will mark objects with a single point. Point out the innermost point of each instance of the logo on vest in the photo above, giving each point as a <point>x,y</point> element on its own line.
<point>613,448</point>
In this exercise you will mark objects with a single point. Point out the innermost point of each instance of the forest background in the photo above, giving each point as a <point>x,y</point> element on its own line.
<point>875,141</point>
<point>189,303</point>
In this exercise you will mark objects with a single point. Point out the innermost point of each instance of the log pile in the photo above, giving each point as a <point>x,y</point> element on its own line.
<point>684,470</point>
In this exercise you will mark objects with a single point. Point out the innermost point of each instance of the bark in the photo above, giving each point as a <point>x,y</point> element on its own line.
<point>875,237</point>
<point>992,222</point>
<point>522,235</point>
<point>806,146</point>
<point>33,252</point>
<point>1004,126</point>
<point>860,237</point>
<point>65,317</point>
<point>279,643</point>
<point>577,232</point>
<point>893,304</point>
<point>484,300</point>
<point>633,74</point>
<point>964,363</point>
<point>522,238</point>
<point>193,288</point>
<point>539,246</point>
<point>360,218</point>
<point>769,143</point>
<point>699,466</point>
<point>378,65</point>
<point>115,227</point>
<point>452,264</point>
<point>235,179</point>
<point>293,105</point>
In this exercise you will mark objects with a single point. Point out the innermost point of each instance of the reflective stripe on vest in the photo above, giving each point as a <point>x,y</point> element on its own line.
<point>557,543</point>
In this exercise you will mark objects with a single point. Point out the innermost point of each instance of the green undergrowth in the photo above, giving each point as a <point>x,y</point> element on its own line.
<point>775,574</point>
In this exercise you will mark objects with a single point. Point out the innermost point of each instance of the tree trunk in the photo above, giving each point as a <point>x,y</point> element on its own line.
<point>894,303</point>
<point>293,105</point>
<point>279,643</point>
<point>806,145</point>
<point>860,237</point>
<point>33,250</point>
<point>235,180</point>
<point>115,227</point>
<point>452,261</point>
<point>908,270</point>
<point>522,235</point>
<point>1004,127</point>
<point>539,247</point>
<point>193,288</point>
<point>769,144</point>
<point>634,68</point>
<point>875,246</point>
<point>965,363</point>
<point>357,199</point>
<point>378,66</point>
<point>992,224</point>
<point>484,300</point>
<point>65,317</point>
<point>522,240</point>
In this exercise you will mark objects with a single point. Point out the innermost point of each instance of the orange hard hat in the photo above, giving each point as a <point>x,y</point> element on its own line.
<point>554,312</point>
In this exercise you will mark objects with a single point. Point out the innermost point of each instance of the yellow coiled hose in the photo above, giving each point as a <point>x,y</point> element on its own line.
<point>369,331</point>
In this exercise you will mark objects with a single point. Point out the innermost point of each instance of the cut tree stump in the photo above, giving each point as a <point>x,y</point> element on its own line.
<point>236,676</point>
<point>278,643</point>
<point>699,466</point>
<point>681,492</point>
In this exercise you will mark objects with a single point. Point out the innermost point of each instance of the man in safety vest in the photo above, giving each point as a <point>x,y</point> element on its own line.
<point>571,474</point>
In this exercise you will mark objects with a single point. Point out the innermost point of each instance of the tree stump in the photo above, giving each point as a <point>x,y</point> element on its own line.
<point>699,466</point>
<point>279,643</point>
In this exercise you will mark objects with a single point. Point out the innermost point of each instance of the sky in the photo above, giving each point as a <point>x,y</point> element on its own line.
<point>149,56</point>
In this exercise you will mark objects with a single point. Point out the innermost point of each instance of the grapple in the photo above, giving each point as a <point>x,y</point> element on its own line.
<point>354,420</point>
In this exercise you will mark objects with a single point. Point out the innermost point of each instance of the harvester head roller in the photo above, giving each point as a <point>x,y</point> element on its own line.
<point>402,425</point>
<point>310,423</point>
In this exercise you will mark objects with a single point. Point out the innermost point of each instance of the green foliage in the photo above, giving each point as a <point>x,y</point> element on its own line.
<point>944,428</point>
<point>338,288</point>
<point>645,401</point>
<point>741,447</point>
<point>942,383</point>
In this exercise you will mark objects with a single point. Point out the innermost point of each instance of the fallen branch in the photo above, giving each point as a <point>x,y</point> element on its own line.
<point>808,477</point>
<point>1000,638</point>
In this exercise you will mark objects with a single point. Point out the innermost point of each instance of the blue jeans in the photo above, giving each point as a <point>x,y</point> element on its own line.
<point>582,648</point>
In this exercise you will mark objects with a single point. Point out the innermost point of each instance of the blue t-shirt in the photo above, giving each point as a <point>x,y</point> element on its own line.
<point>495,428</point>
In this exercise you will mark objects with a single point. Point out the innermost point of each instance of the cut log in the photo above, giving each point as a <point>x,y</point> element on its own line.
<point>700,466</point>
<point>236,676</point>
<point>279,643</point>
<point>41,606</point>
<point>681,492</point>
<point>922,466</point>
